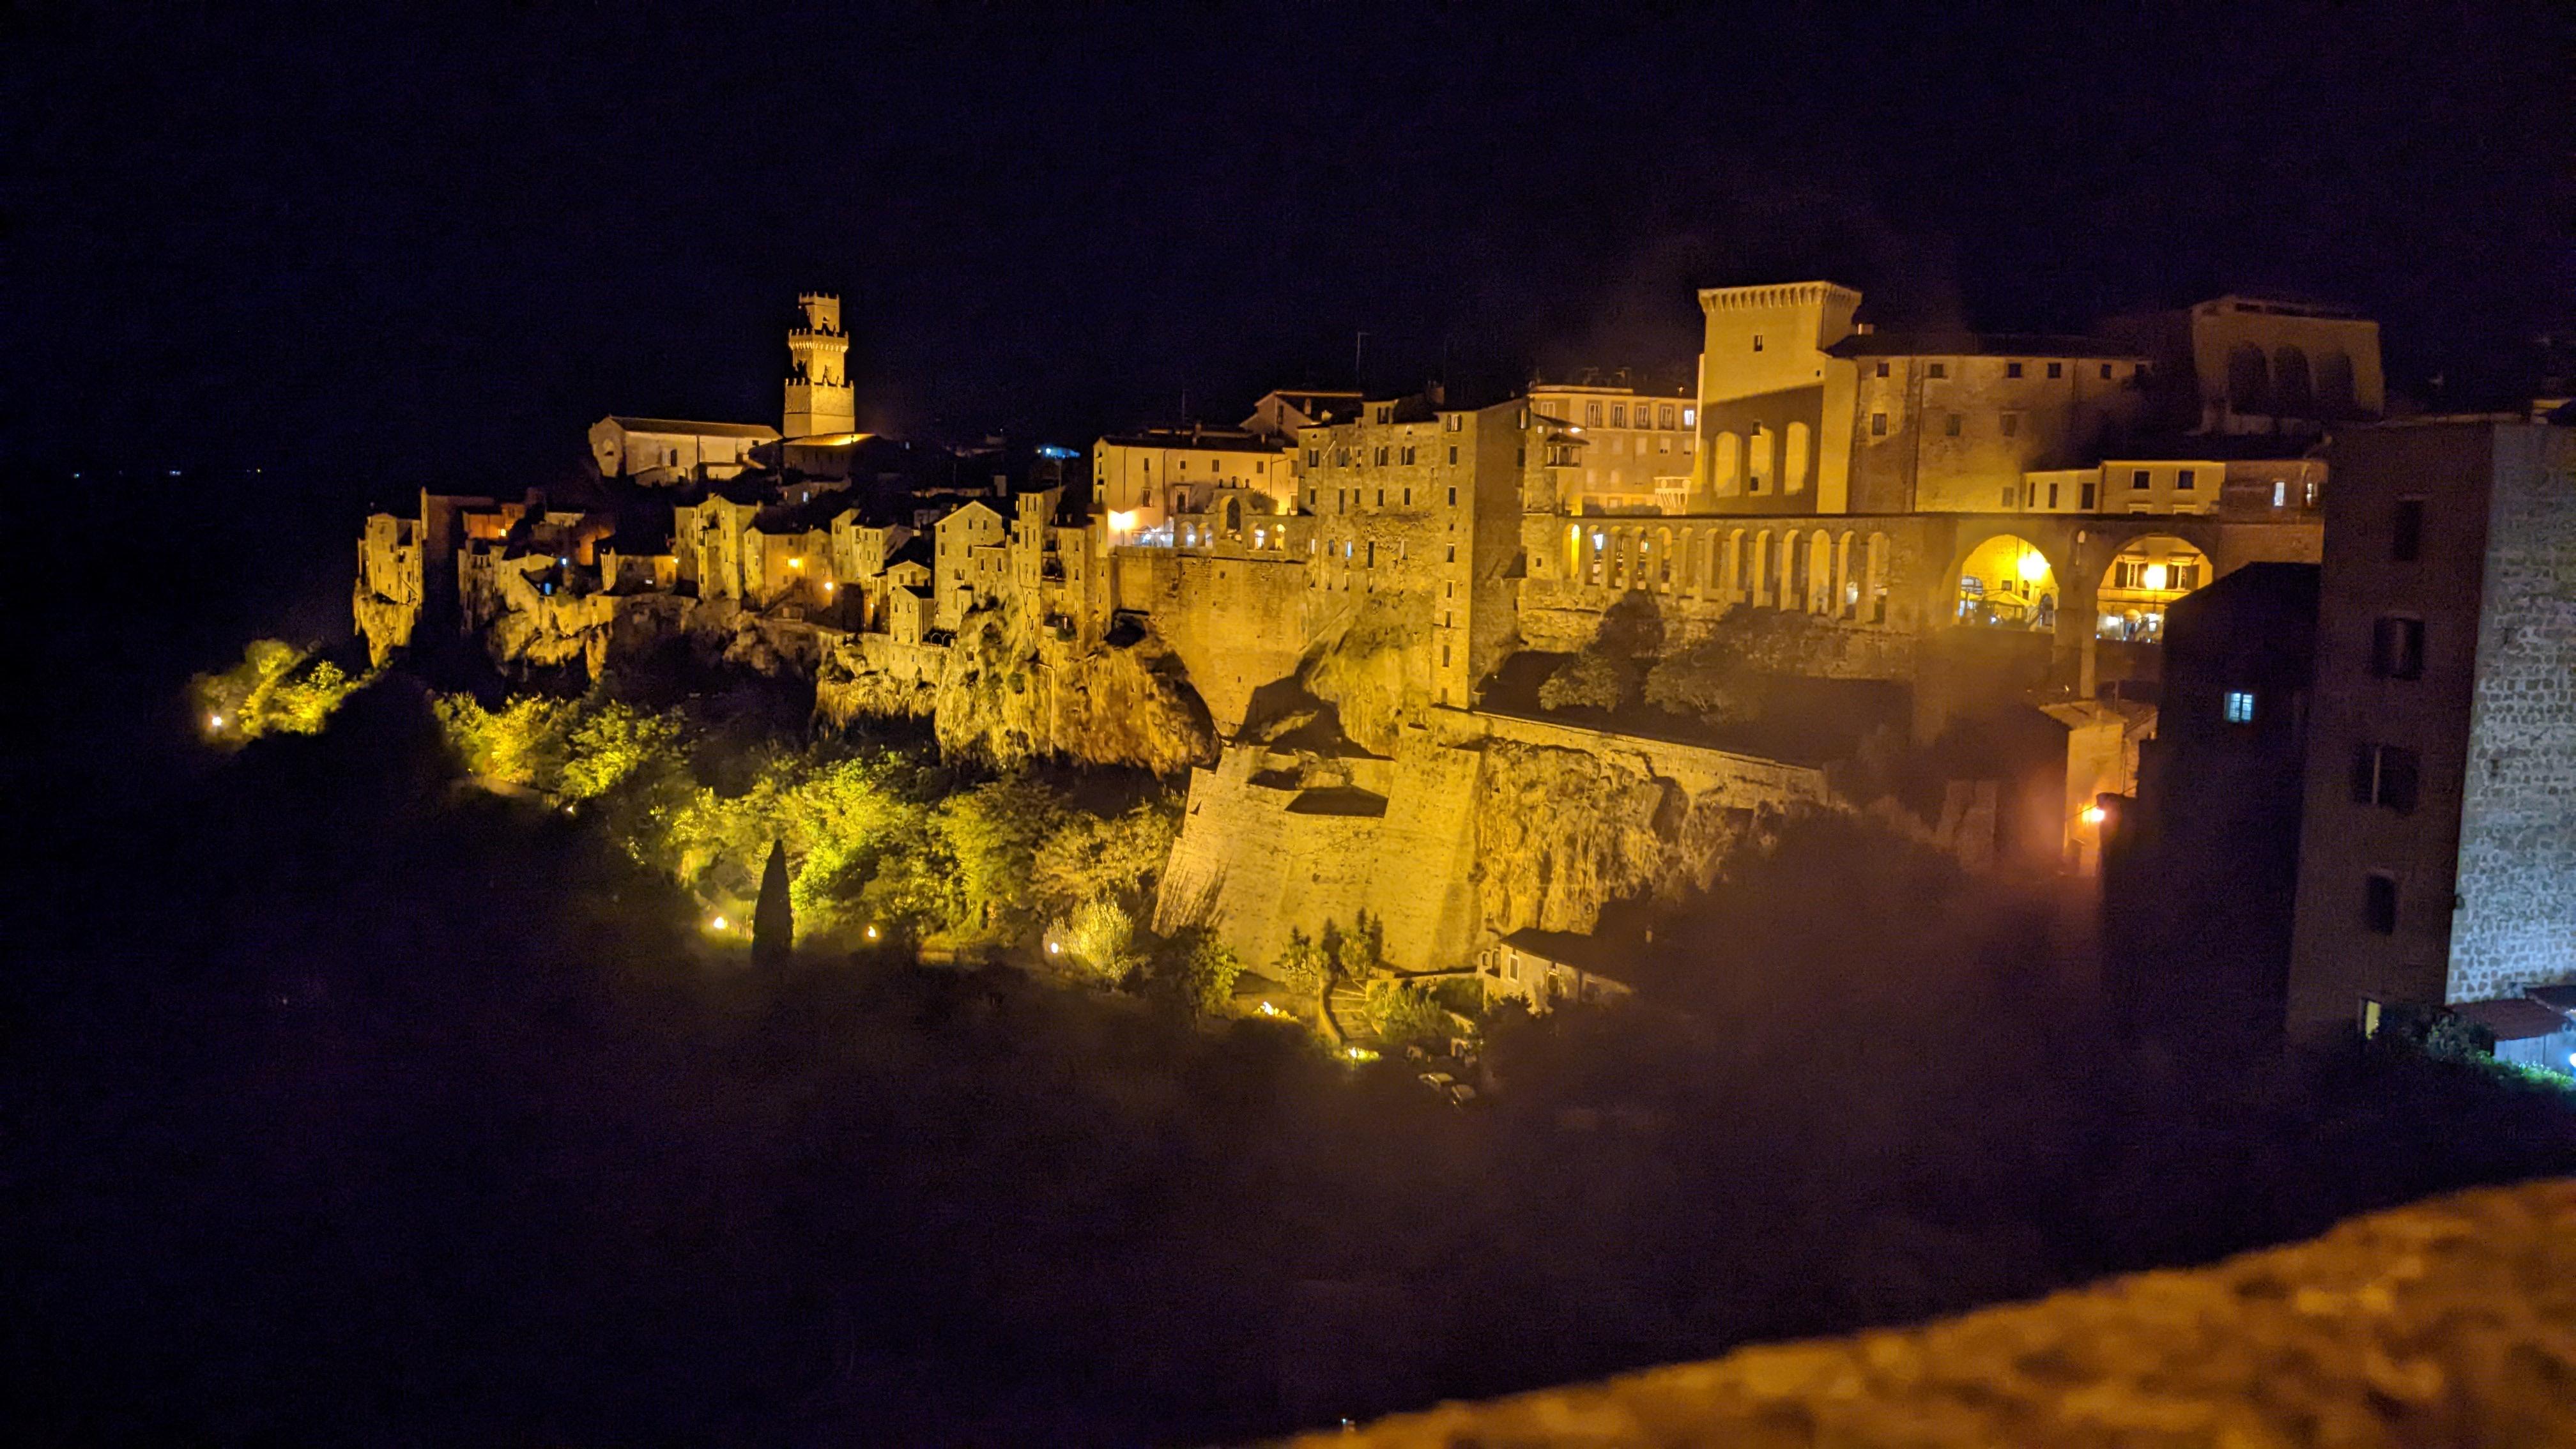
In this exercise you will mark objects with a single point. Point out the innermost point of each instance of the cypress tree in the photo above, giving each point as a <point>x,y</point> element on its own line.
<point>773,921</point>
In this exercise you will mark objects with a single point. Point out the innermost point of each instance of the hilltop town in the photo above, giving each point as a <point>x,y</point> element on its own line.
<point>1506,675</point>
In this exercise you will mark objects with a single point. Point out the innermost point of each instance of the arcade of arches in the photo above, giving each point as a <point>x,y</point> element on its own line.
<point>1835,573</point>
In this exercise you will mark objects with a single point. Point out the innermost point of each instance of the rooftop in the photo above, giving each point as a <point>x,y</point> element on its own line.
<point>1977,344</point>
<point>687,428</point>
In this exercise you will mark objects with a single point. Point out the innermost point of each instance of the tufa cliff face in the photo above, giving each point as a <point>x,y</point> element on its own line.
<point>1008,690</point>
<point>1562,832</point>
<point>1374,668</point>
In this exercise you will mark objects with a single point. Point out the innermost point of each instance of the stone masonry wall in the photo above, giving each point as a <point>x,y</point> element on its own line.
<point>2516,923</point>
<point>2441,1323</point>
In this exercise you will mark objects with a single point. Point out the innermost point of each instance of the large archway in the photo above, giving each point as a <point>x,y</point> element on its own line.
<point>2006,583</point>
<point>2145,576</point>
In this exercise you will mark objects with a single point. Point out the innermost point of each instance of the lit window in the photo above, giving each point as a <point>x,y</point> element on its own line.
<point>2280,492</point>
<point>2240,706</point>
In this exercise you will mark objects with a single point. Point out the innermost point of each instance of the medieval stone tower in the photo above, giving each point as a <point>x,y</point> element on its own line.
<point>818,383</point>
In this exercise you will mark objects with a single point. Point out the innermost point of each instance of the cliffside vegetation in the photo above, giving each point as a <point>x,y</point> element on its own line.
<point>877,836</point>
<point>276,688</point>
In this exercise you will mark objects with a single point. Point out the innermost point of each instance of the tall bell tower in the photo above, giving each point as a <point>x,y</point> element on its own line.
<point>818,381</point>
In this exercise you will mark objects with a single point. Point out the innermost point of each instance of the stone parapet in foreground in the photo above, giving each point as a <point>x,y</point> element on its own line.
<point>2451,1322</point>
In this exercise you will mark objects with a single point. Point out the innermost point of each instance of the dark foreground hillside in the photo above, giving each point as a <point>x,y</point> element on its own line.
<point>341,1106</point>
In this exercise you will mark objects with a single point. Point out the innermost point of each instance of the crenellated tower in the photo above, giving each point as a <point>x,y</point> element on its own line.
<point>818,381</point>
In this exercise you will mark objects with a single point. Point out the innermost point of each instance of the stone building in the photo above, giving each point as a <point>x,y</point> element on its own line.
<point>1142,479</point>
<point>2257,365</point>
<point>1281,414</point>
<point>971,566</point>
<point>668,452</point>
<point>2439,841</point>
<point>1636,446</point>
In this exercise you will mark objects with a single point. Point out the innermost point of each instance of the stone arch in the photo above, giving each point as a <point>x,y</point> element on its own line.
<point>1234,517</point>
<point>2336,397</point>
<point>1730,579</point>
<point>1726,465</point>
<point>1846,587</point>
<point>1793,462</point>
<point>2294,395</point>
<point>1758,570</point>
<point>1793,571</point>
<point>1819,592</point>
<point>1662,570</point>
<point>1573,552</point>
<point>2149,572</point>
<point>1757,461</point>
<point>1874,585</point>
<point>1595,565</point>
<point>2249,379</point>
<point>2005,581</point>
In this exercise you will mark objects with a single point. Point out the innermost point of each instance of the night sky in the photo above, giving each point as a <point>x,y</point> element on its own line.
<point>434,247</point>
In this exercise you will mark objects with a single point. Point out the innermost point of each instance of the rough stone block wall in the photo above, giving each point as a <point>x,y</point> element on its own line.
<point>2440,1323</point>
<point>1235,624</point>
<point>2516,922</point>
<point>1249,868</point>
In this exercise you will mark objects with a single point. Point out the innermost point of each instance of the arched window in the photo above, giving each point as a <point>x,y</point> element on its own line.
<point>1793,468</point>
<point>2249,379</point>
<point>1730,576</point>
<point>2335,395</point>
<point>1726,471</point>
<point>1846,587</point>
<point>1793,570</point>
<point>1573,552</point>
<point>1757,466</point>
<point>2293,395</point>
<point>1874,583</point>
<point>1234,516</point>
<point>1662,573</point>
<point>1758,569</point>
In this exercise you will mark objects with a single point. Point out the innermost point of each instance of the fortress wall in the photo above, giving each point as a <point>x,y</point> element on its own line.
<point>1423,881</point>
<point>1249,868</point>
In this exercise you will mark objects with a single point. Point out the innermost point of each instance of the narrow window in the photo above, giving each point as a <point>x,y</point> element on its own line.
<point>2240,706</point>
<point>2280,493</point>
<point>1453,455</point>
<point>2138,478</point>
<point>1592,414</point>
<point>1938,369</point>
<point>2012,425</point>
<point>2182,480</point>
<point>1951,427</point>
<point>2379,902</point>
<point>2012,369</point>
<point>1757,342</point>
<point>2087,496</point>
<point>1619,412</point>
<point>2057,369</point>
<point>2385,775</point>
<point>2106,369</point>
<point>1882,369</point>
<point>2052,495</point>
<point>1453,495</point>
<point>2397,647</point>
<point>1381,498</point>
<point>2406,536</point>
<point>1878,425</point>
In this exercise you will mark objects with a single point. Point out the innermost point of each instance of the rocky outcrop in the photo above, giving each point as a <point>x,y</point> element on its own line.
<point>2449,1322</point>
<point>386,624</point>
<point>1562,832</point>
<point>1013,691</point>
<point>1374,668</point>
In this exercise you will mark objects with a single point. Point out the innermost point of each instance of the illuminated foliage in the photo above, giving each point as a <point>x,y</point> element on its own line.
<point>1199,970</point>
<point>1587,681</point>
<point>1101,940</point>
<point>1088,857</point>
<point>526,742</point>
<point>277,688</point>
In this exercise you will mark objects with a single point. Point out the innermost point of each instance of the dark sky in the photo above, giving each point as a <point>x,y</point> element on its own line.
<point>437,246</point>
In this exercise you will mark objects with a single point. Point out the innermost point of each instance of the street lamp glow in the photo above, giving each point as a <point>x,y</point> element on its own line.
<point>2033,567</point>
<point>717,924</point>
<point>872,933</point>
<point>2156,576</point>
<point>2095,814</point>
<point>214,721</point>
<point>1122,520</point>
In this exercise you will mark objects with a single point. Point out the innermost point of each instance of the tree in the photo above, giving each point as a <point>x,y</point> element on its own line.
<point>1101,940</point>
<point>1199,969</point>
<point>276,688</point>
<point>1586,681</point>
<point>773,920</point>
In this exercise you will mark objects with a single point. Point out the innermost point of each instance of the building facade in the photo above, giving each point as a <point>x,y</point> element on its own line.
<point>2439,862</point>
